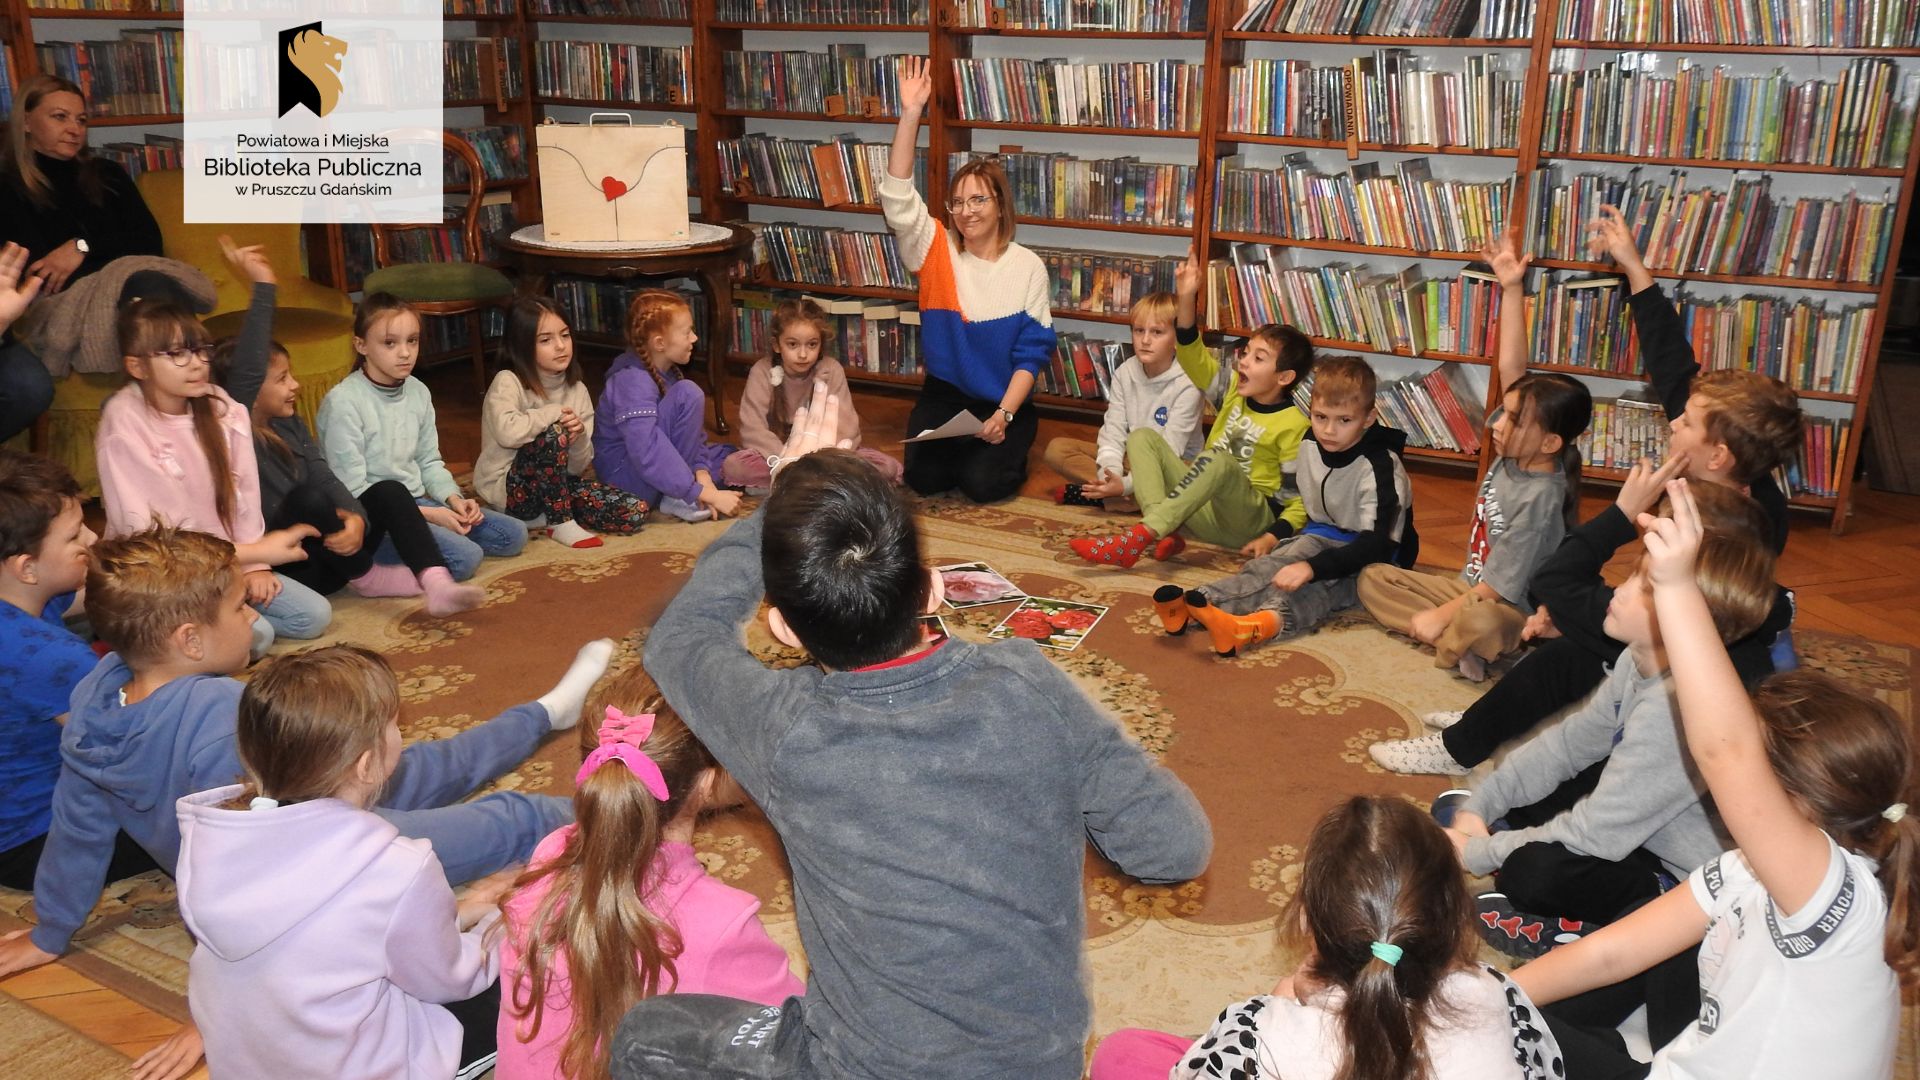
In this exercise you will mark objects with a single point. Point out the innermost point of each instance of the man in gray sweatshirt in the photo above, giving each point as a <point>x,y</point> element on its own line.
<point>935,803</point>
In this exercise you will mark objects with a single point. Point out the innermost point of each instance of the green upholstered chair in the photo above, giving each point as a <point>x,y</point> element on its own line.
<point>461,288</point>
<point>313,321</point>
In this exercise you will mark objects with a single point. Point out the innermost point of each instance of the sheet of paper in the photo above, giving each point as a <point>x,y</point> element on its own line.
<point>963,423</point>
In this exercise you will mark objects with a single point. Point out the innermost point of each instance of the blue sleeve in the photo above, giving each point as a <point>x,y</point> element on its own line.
<point>1033,346</point>
<point>73,865</point>
<point>651,453</point>
<point>42,665</point>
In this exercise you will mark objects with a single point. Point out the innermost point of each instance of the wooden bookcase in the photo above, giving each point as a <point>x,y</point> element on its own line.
<point>1217,48</point>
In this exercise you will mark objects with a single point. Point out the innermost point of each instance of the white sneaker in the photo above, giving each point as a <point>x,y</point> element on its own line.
<point>1422,756</point>
<point>683,509</point>
<point>1441,721</point>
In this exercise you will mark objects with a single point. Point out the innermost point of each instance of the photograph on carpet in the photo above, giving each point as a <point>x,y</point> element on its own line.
<point>976,584</point>
<point>933,629</point>
<point>1051,624</point>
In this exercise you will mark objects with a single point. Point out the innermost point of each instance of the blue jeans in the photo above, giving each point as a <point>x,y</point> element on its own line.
<point>474,839</point>
<point>497,534</point>
<point>297,612</point>
<point>26,390</point>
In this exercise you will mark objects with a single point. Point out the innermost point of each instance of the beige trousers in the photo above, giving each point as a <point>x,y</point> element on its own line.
<point>1487,628</point>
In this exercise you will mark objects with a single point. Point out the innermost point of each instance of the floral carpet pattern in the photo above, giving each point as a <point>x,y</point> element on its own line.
<point>1267,741</point>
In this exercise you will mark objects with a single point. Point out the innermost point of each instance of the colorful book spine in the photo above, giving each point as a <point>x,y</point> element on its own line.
<point>1390,97</point>
<point>1116,191</point>
<point>1853,24</point>
<point>833,171</point>
<point>664,10</point>
<point>1408,208</point>
<point>471,64</point>
<point>1130,16</point>
<point>843,81</point>
<point>1152,95</point>
<point>818,255</point>
<point>613,72</point>
<point>849,13</point>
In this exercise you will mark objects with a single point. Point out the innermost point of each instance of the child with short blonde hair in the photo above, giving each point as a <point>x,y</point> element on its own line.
<point>1150,392</point>
<point>616,908</point>
<point>779,385</point>
<point>654,442</point>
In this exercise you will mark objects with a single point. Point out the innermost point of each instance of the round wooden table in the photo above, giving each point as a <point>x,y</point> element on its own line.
<point>710,264</point>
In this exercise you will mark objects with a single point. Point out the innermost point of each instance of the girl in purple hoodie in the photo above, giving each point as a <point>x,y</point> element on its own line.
<point>327,943</point>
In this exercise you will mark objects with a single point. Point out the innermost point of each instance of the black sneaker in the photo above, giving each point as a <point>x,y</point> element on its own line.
<point>1518,934</point>
<point>1448,803</point>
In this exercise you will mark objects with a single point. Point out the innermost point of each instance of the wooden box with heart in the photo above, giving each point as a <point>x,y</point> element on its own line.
<point>612,181</point>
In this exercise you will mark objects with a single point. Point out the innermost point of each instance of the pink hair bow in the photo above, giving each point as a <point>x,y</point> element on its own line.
<point>621,737</point>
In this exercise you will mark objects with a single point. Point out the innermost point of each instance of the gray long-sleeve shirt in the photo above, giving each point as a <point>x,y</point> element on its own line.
<point>1649,795</point>
<point>936,814</point>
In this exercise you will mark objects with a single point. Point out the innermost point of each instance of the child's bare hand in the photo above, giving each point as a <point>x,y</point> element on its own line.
<point>1673,544</point>
<point>816,426</point>
<point>352,533</point>
<point>1188,275</point>
<point>249,262</point>
<point>262,586</point>
<point>282,546</point>
<point>171,1059</point>
<point>14,296</point>
<point>571,423</point>
<point>1539,625</point>
<point>445,518</point>
<point>1292,576</point>
<point>467,511</point>
<point>1608,235</point>
<point>722,503</point>
<point>18,953</point>
<point>1503,254</point>
<point>1644,483</point>
<point>1459,840</point>
<point>1427,625</point>
<point>916,83</point>
<point>1111,485</point>
<point>1259,545</point>
<point>1469,824</point>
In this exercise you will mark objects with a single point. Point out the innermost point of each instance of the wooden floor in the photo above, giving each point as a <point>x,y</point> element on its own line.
<point>1866,582</point>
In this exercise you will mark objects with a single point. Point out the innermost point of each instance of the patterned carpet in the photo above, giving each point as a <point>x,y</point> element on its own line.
<point>1267,741</point>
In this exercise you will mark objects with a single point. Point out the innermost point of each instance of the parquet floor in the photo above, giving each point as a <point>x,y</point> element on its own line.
<point>1866,582</point>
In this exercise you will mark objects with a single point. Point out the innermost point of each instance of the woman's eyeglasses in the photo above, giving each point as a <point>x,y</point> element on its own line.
<point>976,202</point>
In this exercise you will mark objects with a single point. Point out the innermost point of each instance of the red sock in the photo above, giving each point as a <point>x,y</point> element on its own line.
<point>1123,550</point>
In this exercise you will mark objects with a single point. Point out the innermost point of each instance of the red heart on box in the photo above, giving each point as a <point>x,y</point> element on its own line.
<point>613,187</point>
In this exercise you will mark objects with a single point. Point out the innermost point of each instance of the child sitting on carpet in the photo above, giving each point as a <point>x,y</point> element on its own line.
<point>616,908</point>
<point>654,441</point>
<point>536,436</point>
<point>1359,511</point>
<point>778,386</point>
<point>155,721</point>
<point>325,943</point>
<point>1528,499</point>
<point>1807,930</point>
<point>1388,986</point>
<point>379,424</point>
<point>1241,486</point>
<point>43,565</point>
<point>935,801</point>
<point>1147,393</point>
<point>1590,849</point>
<point>298,487</point>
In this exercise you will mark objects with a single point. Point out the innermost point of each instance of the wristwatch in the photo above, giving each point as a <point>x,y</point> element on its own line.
<point>1007,416</point>
<point>80,245</point>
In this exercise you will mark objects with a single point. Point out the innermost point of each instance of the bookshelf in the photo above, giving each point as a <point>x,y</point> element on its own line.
<point>1487,81</point>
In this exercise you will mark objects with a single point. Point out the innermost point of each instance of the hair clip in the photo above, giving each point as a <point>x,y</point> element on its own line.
<point>621,739</point>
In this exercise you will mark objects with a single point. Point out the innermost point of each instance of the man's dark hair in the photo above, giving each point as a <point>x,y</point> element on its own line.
<point>841,557</point>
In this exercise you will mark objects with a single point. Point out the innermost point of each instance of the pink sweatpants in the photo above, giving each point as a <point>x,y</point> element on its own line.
<point>1137,1054</point>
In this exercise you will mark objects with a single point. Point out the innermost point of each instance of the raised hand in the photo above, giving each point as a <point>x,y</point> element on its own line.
<point>1187,276</point>
<point>15,296</point>
<point>1673,544</point>
<point>1644,483</point>
<point>916,83</point>
<point>249,262</point>
<point>1608,235</point>
<point>1503,254</point>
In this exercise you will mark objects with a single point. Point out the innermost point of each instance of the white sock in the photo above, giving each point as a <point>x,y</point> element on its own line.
<point>564,701</point>
<point>570,533</point>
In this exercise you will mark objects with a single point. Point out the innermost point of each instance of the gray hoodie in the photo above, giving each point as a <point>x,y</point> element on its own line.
<point>1649,795</point>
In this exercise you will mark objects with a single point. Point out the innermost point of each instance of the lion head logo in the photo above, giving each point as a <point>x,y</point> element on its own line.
<point>310,63</point>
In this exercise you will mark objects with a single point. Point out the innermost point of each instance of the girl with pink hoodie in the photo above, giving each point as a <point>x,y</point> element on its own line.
<point>327,943</point>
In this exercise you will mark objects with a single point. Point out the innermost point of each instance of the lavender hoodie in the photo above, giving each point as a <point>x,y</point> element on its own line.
<point>325,941</point>
<point>637,449</point>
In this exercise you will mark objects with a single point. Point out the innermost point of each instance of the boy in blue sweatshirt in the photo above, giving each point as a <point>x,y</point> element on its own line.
<point>1359,507</point>
<point>154,721</point>
<point>935,801</point>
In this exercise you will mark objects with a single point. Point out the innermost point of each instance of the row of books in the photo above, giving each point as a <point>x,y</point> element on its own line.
<point>472,64</point>
<point>1132,16</point>
<point>502,149</point>
<point>597,307</point>
<point>877,336</point>
<point>610,71</point>
<point>1626,431</point>
<point>1157,95</point>
<point>1740,230</point>
<point>1103,283</point>
<point>1809,345</point>
<point>834,172</point>
<point>1626,106</point>
<point>674,10</point>
<point>851,13</point>
<point>1855,24</point>
<point>1390,18</point>
<point>819,255</point>
<point>1408,208</point>
<point>457,8</point>
<point>843,81</point>
<point>155,152</point>
<point>1390,96</point>
<point>1439,410</point>
<point>440,244</point>
<point>6,81</point>
<point>1115,191</point>
<point>136,74</point>
<point>454,333</point>
<point>1816,468</point>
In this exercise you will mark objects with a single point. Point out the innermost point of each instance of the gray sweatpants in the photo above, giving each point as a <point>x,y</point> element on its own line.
<point>1301,610</point>
<point>707,1037</point>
